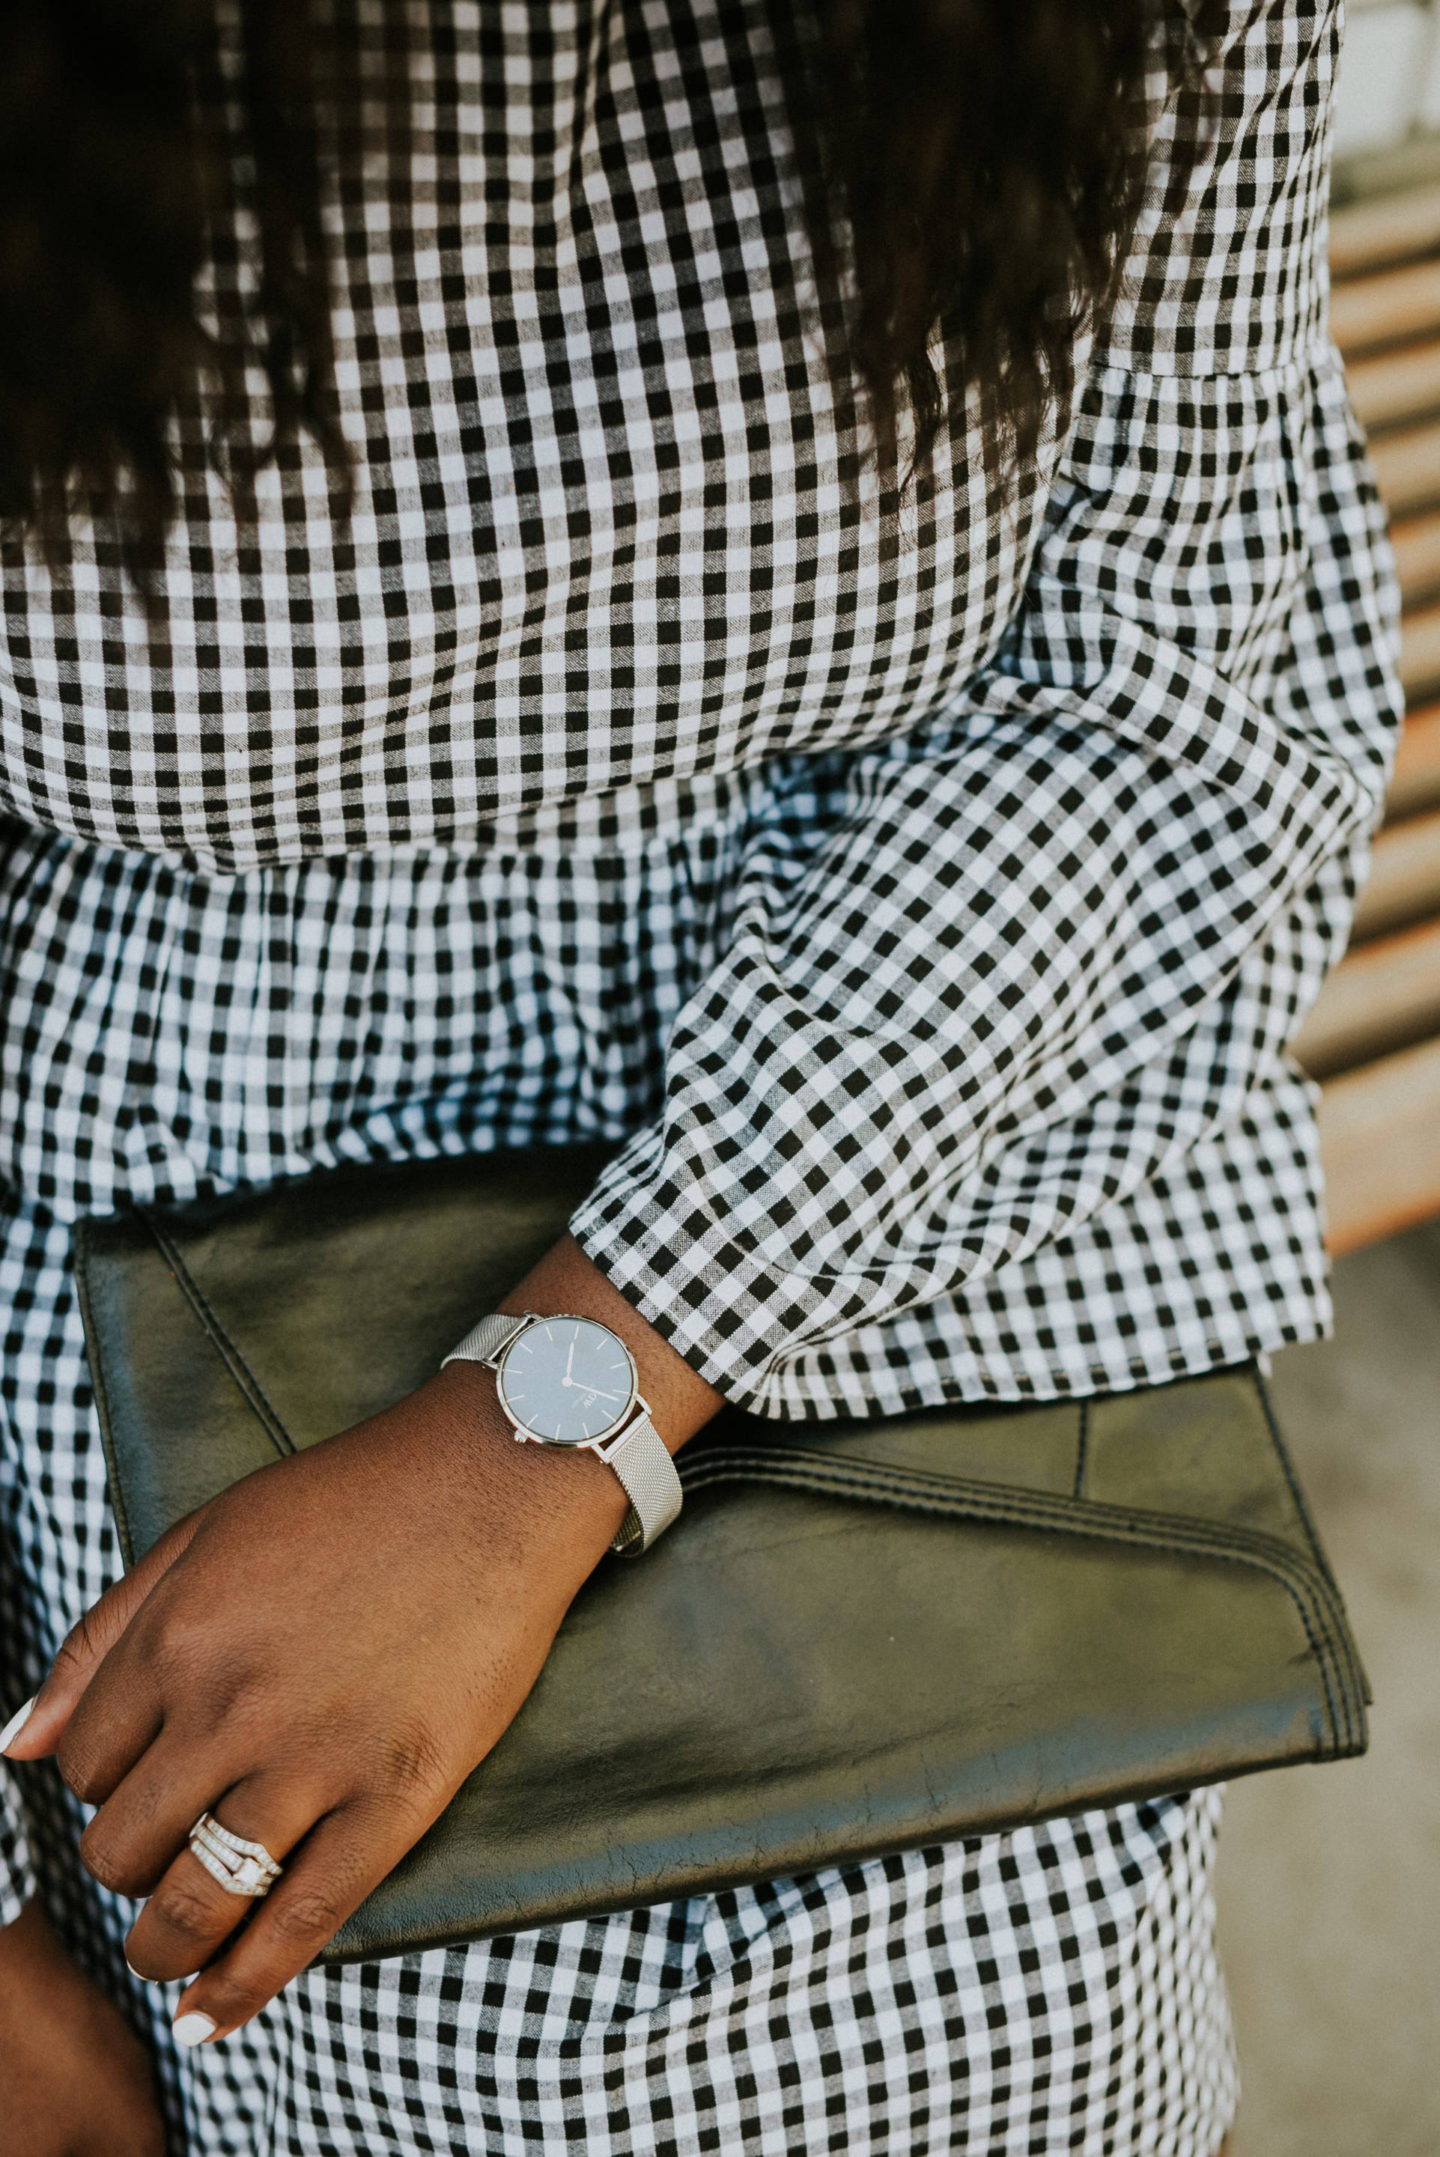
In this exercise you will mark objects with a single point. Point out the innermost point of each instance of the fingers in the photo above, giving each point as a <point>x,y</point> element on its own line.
<point>140,1830</point>
<point>339,1862</point>
<point>190,1915</point>
<point>88,1644</point>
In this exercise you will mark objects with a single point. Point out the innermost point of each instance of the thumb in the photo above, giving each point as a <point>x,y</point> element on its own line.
<point>40,1724</point>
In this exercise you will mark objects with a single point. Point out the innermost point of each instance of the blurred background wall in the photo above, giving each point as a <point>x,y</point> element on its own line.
<point>1390,86</point>
<point>1329,1880</point>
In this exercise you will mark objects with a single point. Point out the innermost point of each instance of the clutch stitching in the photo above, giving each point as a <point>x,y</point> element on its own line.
<point>102,1398</point>
<point>1292,1480</point>
<point>215,1332</point>
<point>914,1491</point>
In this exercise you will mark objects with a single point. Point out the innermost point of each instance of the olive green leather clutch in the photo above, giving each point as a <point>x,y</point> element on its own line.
<point>859,1637</point>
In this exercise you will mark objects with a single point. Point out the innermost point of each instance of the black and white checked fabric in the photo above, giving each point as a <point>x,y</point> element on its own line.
<point>926,889</point>
<point>1052,1990</point>
<point>1043,814</point>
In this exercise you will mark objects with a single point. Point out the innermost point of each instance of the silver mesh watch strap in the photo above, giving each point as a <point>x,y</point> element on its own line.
<point>483,1343</point>
<point>651,1482</point>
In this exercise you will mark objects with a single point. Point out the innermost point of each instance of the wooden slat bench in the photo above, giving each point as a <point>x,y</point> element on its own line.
<point>1373,1039</point>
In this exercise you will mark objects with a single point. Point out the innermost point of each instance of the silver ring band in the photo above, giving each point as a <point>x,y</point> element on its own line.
<point>240,1867</point>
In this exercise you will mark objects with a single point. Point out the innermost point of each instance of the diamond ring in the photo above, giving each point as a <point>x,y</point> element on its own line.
<point>241,1867</point>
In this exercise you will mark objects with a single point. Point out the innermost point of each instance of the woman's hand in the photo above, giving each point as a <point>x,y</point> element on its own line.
<point>324,1653</point>
<point>319,1656</point>
<point>74,2079</point>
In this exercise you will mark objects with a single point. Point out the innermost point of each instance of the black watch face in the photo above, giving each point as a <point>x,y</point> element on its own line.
<point>569,1380</point>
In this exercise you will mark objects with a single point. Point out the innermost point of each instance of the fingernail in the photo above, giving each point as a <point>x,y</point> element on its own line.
<point>16,1723</point>
<point>192,2029</point>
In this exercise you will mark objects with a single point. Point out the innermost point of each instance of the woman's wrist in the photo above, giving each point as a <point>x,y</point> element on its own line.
<point>571,1502</point>
<point>680,1401</point>
<point>566,1505</point>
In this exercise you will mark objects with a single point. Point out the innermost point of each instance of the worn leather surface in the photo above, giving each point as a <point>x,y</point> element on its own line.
<point>858,1637</point>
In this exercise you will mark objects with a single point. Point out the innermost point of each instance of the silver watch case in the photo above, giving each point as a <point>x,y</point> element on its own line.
<point>613,1431</point>
<point>629,1444</point>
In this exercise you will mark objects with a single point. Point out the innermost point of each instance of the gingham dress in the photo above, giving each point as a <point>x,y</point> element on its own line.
<point>925,887</point>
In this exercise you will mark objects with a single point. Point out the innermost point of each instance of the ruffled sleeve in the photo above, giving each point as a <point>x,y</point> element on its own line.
<point>1035,950</point>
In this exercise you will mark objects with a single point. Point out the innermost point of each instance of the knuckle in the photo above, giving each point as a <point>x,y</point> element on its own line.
<point>309,1915</point>
<point>231,2000</point>
<point>211,1691</point>
<point>109,1866</point>
<point>413,1763</point>
<point>87,1643</point>
<point>80,1769</point>
<point>74,1651</point>
<point>88,1638</point>
<point>176,1642</point>
<point>104,1868</point>
<point>186,1911</point>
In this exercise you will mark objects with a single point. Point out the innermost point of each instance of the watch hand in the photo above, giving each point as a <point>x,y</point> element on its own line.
<point>569,1362</point>
<point>594,1392</point>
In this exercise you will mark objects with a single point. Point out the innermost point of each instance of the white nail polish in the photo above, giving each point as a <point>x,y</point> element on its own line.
<point>192,2029</point>
<point>17,1723</point>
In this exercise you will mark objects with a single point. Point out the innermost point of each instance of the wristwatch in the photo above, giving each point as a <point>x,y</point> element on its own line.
<point>570,1381</point>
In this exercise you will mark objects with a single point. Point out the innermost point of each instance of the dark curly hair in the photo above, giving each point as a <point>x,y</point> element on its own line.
<point>988,156</point>
<point>984,156</point>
